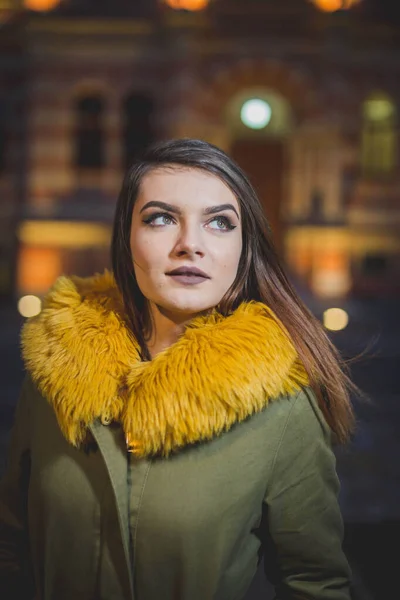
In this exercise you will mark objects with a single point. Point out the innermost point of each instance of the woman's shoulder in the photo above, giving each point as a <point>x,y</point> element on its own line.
<point>297,415</point>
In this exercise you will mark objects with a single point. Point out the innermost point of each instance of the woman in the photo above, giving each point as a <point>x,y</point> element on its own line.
<point>176,422</point>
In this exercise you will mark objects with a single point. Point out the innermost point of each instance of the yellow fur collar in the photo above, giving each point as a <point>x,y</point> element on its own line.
<point>83,359</point>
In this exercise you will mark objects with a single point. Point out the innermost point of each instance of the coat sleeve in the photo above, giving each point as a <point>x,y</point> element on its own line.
<point>15,570</point>
<point>302,528</point>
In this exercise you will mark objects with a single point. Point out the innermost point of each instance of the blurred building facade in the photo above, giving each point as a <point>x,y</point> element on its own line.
<point>84,86</point>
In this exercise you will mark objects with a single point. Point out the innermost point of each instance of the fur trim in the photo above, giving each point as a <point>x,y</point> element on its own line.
<point>84,360</point>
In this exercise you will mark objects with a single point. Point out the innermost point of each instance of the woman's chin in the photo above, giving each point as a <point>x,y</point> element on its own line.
<point>184,309</point>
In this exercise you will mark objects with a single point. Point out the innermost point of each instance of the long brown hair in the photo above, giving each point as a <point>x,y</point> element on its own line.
<point>260,275</point>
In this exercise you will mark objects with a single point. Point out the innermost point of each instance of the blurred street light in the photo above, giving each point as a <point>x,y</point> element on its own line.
<point>29,306</point>
<point>335,5</point>
<point>256,113</point>
<point>41,5</point>
<point>335,319</point>
<point>192,5</point>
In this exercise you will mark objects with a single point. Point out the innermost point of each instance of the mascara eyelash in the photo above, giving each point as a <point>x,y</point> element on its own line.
<point>148,220</point>
<point>230,227</point>
<point>228,223</point>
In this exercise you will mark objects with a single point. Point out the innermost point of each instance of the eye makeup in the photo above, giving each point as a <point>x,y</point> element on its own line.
<point>227,223</point>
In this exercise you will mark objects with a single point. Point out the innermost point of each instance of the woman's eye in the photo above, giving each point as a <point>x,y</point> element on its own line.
<point>221,223</point>
<point>158,220</point>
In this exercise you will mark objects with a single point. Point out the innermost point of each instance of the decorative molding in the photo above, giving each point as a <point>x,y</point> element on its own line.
<point>91,27</point>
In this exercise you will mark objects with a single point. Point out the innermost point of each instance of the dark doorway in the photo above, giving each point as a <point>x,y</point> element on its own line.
<point>89,135</point>
<point>264,163</point>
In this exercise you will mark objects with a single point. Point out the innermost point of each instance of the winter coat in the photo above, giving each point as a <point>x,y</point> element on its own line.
<point>167,479</point>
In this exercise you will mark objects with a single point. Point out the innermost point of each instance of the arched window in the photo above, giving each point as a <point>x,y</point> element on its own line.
<point>138,125</point>
<point>89,136</point>
<point>379,143</point>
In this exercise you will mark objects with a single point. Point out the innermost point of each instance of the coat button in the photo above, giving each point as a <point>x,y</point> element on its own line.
<point>105,420</point>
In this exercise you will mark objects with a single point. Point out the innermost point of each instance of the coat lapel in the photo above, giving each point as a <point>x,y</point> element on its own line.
<point>113,450</point>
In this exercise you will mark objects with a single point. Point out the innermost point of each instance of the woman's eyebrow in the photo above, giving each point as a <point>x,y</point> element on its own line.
<point>174,209</point>
<point>215,209</point>
<point>162,205</point>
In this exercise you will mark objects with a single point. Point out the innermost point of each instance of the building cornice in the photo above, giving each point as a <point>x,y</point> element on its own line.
<point>79,26</point>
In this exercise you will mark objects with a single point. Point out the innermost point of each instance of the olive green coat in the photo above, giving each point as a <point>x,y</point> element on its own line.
<point>176,517</point>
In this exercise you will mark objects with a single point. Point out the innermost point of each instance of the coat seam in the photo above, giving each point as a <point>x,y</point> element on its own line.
<point>279,445</point>
<point>138,516</point>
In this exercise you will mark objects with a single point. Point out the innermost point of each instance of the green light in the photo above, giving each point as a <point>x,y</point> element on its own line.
<point>256,113</point>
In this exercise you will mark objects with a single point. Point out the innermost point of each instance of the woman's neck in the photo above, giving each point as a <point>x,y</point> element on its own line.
<point>166,329</point>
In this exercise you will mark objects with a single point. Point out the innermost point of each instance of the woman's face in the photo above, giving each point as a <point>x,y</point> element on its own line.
<point>186,240</point>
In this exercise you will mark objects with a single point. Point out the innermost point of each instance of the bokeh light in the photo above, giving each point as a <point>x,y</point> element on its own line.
<point>379,109</point>
<point>335,319</point>
<point>334,5</point>
<point>41,5</point>
<point>29,306</point>
<point>256,113</point>
<point>193,5</point>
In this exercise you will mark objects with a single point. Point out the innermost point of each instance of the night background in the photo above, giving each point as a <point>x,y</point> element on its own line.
<point>305,95</point>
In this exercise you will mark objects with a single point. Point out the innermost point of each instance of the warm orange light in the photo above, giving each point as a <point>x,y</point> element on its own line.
<point>41,5</point>
<point>192,5</point>
<point>331,277</point>
<point>38,268</point>
<point>334,5</point>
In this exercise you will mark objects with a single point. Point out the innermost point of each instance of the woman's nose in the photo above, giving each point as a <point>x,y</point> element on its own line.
<point>189,242</point>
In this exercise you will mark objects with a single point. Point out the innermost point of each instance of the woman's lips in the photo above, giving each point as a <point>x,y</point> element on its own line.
<point>186,279</point>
